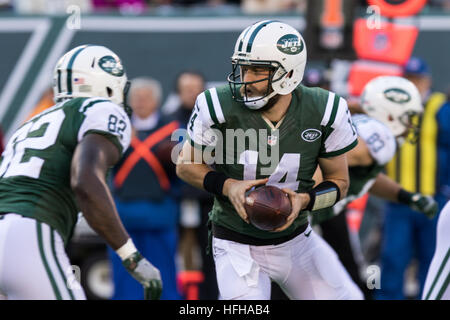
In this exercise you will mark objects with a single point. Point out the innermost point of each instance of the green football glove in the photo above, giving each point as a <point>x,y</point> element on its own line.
<point>419,202</point>
<point>147,274</point>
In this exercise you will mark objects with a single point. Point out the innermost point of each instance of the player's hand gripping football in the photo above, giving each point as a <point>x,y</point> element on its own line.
<point>425,204</point>
<point>147,275</point>
<point>298,202</point>
<point>235,191</point>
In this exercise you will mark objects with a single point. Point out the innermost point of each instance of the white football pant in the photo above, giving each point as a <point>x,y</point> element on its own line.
<point>33,262</point>
<point>438,276</point>
<point>305,268</point>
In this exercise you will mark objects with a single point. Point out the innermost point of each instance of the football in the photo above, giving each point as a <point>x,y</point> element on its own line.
<point>163,151</point>
<point>267,207</point>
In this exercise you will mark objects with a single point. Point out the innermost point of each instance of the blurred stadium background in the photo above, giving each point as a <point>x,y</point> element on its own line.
<point>160,38</point>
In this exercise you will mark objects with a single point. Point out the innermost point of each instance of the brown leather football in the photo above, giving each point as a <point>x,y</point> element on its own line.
<point>267,207</point>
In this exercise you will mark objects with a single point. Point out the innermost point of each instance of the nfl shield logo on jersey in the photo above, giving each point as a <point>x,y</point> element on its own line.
<point>272,140</point>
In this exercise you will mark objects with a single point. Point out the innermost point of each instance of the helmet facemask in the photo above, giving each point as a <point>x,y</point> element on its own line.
<point>126,107</point>
<point>411,121</point>
<point>239,88</point>
<point>396,102</point>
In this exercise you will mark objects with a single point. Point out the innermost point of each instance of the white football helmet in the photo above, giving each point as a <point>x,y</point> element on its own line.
<point>274,45</point>
<point>396,102</point>
<point>90,71</point>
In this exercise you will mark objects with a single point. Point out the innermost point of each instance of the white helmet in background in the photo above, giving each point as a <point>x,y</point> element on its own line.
<point>396,102</point>
<point>90,71</point>
<point>274,45</point>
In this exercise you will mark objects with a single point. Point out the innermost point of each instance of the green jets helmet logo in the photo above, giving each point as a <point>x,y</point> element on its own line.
<point>111,65</point>
<point>290,44</point>
<point>311,135</point>
<point>397,95</point>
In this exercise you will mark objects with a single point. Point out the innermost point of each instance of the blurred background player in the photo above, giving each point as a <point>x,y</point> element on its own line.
<point>144,191</point>
<point>68,150</point>
<point>195,203</point>
<point>390,105</point>
<point>418,167</point>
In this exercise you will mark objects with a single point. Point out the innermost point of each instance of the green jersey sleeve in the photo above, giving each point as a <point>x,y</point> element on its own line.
<point>340,133</point>
<point>206,116</point>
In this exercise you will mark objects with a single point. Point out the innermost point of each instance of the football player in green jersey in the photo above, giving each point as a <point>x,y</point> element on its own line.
<point>54,166</point>
<point>266,128</point>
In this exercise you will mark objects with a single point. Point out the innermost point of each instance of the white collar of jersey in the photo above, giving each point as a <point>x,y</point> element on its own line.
<point>146,123</point>
<point>270,124</point>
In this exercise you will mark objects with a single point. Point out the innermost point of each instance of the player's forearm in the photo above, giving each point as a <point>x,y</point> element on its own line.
<point>191,173</point>
<point>191,167</point>
<point>97,206</point>
<point>335,170</point>
<point>385,188</point>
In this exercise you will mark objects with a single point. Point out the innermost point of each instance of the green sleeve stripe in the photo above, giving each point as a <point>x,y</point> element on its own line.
<point>69,69</point>
<point>114,139</point>
<point>63,276</point>
<point>334,111</point>
<point>90,104</point>
<point>444,262</point>
<point>444,288</point>
<point>212,112</point>
<point>44,261</point>
<point>339,152</point>
<point>196,145</point>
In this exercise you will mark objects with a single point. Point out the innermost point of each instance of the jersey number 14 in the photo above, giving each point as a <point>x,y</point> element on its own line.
<point>287,169</point>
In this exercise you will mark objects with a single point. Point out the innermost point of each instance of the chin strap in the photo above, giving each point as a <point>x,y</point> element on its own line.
<point>259,103</point>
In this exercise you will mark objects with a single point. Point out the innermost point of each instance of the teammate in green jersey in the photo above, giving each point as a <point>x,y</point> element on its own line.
<point>266,128</point>
<point>54,166</point>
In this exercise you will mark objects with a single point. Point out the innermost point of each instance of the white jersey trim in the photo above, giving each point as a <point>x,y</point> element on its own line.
<point>217,106</point>
<point>199,128</point>
<point>344,133</point>
<point>328,109</point>
<point>97,118</point>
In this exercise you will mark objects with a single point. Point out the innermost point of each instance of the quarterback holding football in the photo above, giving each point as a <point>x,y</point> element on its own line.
<point>305,127</point>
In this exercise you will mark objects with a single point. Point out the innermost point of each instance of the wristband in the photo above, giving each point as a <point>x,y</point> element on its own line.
<point>404,196</point>
<point>324,195</point>
<point>126,250</point>
<point>214,181</point>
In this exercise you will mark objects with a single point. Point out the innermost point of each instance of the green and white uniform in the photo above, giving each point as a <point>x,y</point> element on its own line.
<point>317,124</point>
<point>382,146</point>
<point>437,283</point>
<point>35,177</point>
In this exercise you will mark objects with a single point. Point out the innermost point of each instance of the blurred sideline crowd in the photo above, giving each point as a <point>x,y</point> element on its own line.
<point>136,7</point>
